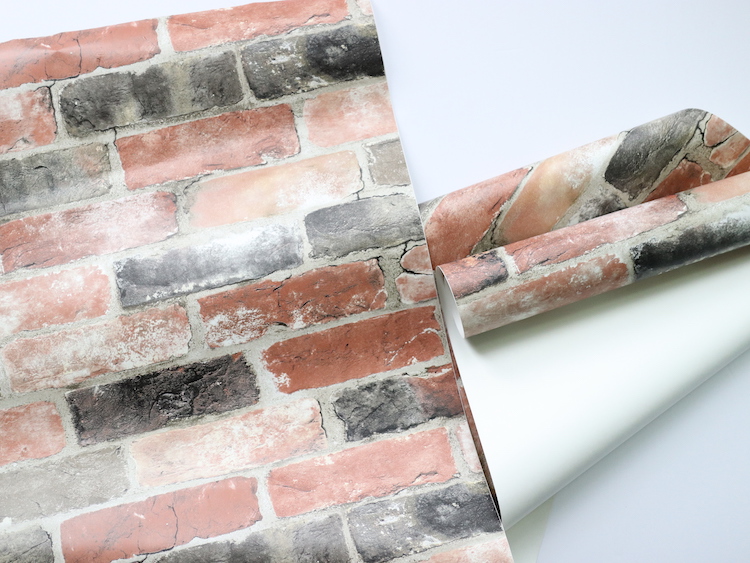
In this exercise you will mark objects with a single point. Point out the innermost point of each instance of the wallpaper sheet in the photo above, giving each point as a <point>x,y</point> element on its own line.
<point>219,338</point>
<point>590,220</point>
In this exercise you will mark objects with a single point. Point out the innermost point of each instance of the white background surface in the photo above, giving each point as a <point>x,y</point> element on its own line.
<point>481,87</point>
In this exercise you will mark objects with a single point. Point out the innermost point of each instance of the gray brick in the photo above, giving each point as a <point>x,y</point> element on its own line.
<point>53,178</point>
<point>387,164</point>
<point>289,65</point>
<point>376,222</point>
<point>244,256</point>
<point>648,149</point>
<point>270,546</point>
<point>393,528</point>
<point>321,541</point>
<point>60,485</point>
<point>32,545</point>
<point>170,89</point>
<point>149,402</point>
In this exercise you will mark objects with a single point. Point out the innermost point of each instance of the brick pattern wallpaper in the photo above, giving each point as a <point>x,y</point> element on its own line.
<point>661,195</point>
<point>219,338</point>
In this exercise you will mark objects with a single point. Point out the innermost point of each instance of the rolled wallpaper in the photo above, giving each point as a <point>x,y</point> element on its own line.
<point>646,201</point>
<point>214,341</point>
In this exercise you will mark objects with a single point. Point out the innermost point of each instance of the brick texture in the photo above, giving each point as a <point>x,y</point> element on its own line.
<point>717,130</point>
<point>217,448</point>
<point>30,432</point>
<point>26,120</point>
<point>468,448</point>
<point>417,260</point>
<point>350,115</point>
<point>52,178</point>
<point>494,551</point>
<point>274,190</point>
<point>318,296</point>
<point>387,164</point>
<point>723,190</point>
<point>415,288</point>
<point>152,401</point>
<point>361,472</point>
<point>30,545</point>
<point>59,485</point>
<point>99,228</point>
<point>230,140</point>
<point>70,356</point>
<point>685,176</point>
<point>161,522</point>
<point>53,299</point>
<point>70,54</point>
<point>202,29</point>
<point>355,350</point>
<point>730,150</point>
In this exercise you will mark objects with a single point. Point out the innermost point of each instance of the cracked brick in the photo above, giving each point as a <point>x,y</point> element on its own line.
<point>279,67</point>
<point>53,178</point>
<point>248,255</point>
<point>149,402</point>
<point>387,529</point>
<point>161,522</point>
<point>31,545</point>
<point>166,90</point>
<point>60,485</point>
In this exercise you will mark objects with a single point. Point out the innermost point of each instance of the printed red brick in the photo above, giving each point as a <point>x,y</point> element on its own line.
<point>161,522</point>
<point>723,189</point>
<point>99,228</point>
<point>717,130</point>
<point>70,356</point>
<point>314,182</point>
<point>741,167</point>
<point>462,218</point>
<point>319,296</point>
<point>250,440</point>
<point>213,27</point>
<point>27,120</point>
<point>417,260</point>
<point>415,288</point>
<point>438,395</point>
<point>730,150</point>
<point>553,186</point>
<point>468,449</point>
<point>230,140</point>
<point>495,551</point>
<point>53,299</point>
<point>685,176</point>
<point>343,116</point>
<point>574,241</point>
<point>355,350</point>
<point>30,431</point>
<point>362,472</point>
<point>66,55</point>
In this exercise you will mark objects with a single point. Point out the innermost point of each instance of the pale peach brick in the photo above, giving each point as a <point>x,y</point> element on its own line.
<point>493,551</point>
<point>99,228</point>
<point>723,189</point>
<point>468,449</point>
<point>224,142</point>
<point>30,432</point>
<point>318,296</point>
<point>70,356</point>
<point>53,299</point>
<point>355,350</point>
<point>73,53</point>
<point>349,115</point>
<point>415,288</point>
<point>365,6</point>
<point>213,27</point>
<point>417,260</point>
<point>161,522</point>
<point>277,189</point>
<point>730,150</point>
<point>27,120</point>
<point>373,470</point>
<point>249,440</point>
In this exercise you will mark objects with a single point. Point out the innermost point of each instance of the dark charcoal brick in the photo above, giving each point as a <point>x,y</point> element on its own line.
<point>388,165</point>
<point>52,178</point>
<point>298,64</point>
<point>149,402</point>
<point>245,256</point>
<point>393,528</point>
<point>32,545</point>
<point>321,541</point>
<point>59,485</point>
<point>376,222</point>
<point>648,149</point>
<point>254,549</point>
<point>167,90</point>
<point>690,245</point>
